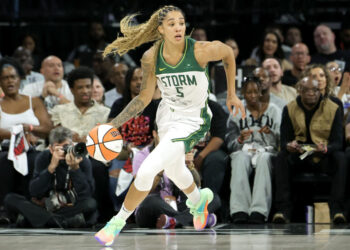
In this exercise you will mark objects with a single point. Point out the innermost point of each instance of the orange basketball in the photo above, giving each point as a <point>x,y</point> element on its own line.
<point>104,142</point>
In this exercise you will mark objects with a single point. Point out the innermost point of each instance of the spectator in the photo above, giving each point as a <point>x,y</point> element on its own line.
<point>165,206</point>
<point>342,91</point>
<point>199,34</point>
<point>102,68</point>
<point>293,36</point>
<point>18,109</point>
<point>324,39</point>
<point>269,47</point>
<point>311,125</point>
<point>84,113</point>
<point>265,86</point>
<point>251,142</point>
<point>84,54</point>
<point>116,77</point>
<point>56,174</point>
<point>24,57</point>
<point>345,36</point>
<point>98,91</point>
<point>274,67</point>
<point>300,58</point>
<point>320,73</point>
<point>54,90</point>
<point>30,42</point>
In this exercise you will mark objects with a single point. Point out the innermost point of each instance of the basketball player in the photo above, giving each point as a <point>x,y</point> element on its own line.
<point>177,64</point>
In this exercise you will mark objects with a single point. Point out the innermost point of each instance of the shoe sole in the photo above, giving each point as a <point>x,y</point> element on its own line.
<point>205,212</point>
<point>107,244</point>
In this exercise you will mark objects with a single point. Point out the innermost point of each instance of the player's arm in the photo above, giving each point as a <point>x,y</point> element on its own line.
<point>138,103</point>
<point>215,51</point>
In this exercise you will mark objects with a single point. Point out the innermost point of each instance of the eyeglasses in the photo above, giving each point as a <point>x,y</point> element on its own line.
<point>300,54</point>
<point>335,69</point>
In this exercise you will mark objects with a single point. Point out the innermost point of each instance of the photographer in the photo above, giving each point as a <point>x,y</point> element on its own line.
<point>61,188</point>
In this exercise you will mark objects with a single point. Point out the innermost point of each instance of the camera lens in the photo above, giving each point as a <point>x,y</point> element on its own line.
<point>78,150</point>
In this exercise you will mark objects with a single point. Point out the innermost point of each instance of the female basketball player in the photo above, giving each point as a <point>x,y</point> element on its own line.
<point>177,64</point>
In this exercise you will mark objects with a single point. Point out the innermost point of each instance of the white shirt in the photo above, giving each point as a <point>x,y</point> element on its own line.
<point>110,97</point>
<point>36,89</point>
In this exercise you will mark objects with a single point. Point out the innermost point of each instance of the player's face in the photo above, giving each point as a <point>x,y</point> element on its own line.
<point>319,75</point>
<point>173,27</point>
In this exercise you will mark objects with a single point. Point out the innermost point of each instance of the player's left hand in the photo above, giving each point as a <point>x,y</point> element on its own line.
<point>237,103</point>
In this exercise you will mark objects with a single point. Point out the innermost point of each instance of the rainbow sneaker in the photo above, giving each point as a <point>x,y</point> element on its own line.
<point>112,229</point>
<point>200,210</point>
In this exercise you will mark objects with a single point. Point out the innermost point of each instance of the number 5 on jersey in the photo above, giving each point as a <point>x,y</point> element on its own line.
<point>179,91</point>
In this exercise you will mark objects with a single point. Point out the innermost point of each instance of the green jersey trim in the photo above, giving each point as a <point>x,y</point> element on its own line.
<point>182,58</point>
<point>191,140</point>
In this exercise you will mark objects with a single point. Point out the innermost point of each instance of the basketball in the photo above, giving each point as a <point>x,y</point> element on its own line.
<point>104,142</point>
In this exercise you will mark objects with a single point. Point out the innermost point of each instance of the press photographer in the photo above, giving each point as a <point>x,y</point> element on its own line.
<point>61,188</point>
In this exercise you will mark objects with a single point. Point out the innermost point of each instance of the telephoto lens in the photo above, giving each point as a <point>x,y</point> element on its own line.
<point>78,150</point>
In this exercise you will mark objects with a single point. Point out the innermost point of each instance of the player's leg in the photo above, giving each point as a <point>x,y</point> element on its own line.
<point>178,172</point>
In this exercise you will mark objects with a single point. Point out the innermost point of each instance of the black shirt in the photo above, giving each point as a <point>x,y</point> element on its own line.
<point>342,57</point>
<point>218,121</point>
<point>289,79</point>
<point>43,181</point>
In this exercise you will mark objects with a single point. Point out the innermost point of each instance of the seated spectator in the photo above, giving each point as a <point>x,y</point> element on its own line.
<point>300,58</point>
<point>270,46</point>
<point>324,39</point>
<point>265,86</point>
<point>16,109</point>
<point>165,206</point>
<point>341,87</point>
<point>293,36</point>
<point>320,73</point>
<point>54,90</point>
<point>252,141</point>
<point>83,54</point>
<point>102,68</point>
<point>117,77</point>
<point>199,34</point>
<point>274,67</point>
<point>345,36</point>
<point>311,142</point>
<point>84,113</point>
<point>98,91</point>
<point>57,174</point>
<point>24,57</point>
<point>30,42</point>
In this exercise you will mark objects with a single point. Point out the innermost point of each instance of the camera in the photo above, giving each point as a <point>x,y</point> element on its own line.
<point>78,150</point>
<point>57,200</point>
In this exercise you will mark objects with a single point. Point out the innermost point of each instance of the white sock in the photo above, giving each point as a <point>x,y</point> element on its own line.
<point>123,214</point>
<point>194,196</point>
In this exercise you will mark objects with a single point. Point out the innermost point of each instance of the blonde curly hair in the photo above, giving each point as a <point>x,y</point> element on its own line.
<point>329,79</point>
<point>136,35</point>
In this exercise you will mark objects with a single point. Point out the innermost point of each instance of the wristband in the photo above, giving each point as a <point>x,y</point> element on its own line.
<point>31,127</point>
<point>239,140</point>
<point>60,96</point>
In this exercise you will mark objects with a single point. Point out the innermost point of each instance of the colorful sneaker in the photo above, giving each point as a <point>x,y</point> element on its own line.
<point>112,229</point>
<point>165,222</point>
<point>200,210</point>
<point>212,220</point>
